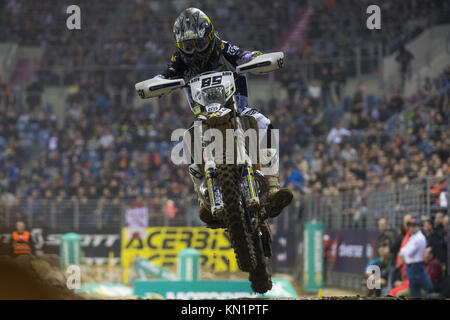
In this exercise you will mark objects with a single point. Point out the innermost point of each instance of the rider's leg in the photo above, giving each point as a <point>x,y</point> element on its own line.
<point>204,212</point>
<point>196,174</point>
<point>278,198</point>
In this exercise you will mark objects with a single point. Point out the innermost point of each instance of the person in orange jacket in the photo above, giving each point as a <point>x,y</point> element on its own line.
<point>403,283</point>
<point>21,242</point>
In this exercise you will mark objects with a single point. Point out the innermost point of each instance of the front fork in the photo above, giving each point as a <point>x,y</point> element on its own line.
<point>249,187</point>
<point>212,183</point>
<point>248,177</point>
<point>247,181</point>
<point>214,192</point>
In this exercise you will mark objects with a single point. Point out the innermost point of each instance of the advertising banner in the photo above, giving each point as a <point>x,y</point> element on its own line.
<point>354,249</point>
<point>96,247</point>
<point>284,250</point>
<point>106,289</point>
<point>188,290</point>
<point>313,257</point>
<point>161,245</point>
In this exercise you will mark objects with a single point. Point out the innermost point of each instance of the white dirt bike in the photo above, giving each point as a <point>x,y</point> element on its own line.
<point>232,185</point>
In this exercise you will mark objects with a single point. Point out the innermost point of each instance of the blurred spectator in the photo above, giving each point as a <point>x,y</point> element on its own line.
<point>401,281</point>
<point>337,134</point>
<point>443,199</point>
<point>404,58</point>
<point>434,268</point>
<point>340,79</point>
<point>385,262</point>
<point>433,239</point>
<point>21,241</point>
<point>326,78</point>
<point>386,236</point>
<point>412,254</point>
<point>314,92</point>
<point>441,234</point>
<point>296,179</point>
<point>137,219</point>
<point>5,92</point>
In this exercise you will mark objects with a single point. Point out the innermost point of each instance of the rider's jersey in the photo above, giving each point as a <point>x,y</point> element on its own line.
<point>229,56</point>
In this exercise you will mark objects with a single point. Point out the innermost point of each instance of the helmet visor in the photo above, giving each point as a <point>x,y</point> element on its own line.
<point>194,45</point>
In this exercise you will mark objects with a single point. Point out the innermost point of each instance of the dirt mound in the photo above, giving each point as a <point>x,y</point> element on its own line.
<point>33,277</point>
<point>52,259</point>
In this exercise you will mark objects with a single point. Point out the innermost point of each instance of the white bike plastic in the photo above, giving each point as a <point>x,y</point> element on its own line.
<point>262,64</point>
<point>156,87</point>
<point>202,87</point>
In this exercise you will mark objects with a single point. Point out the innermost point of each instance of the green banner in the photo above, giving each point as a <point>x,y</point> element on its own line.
<point>189,265</point>
<point>70,250</point>
<point>189,290</point>
<point>143,266</point>
<point>313,257</point>
<point>106,289</point>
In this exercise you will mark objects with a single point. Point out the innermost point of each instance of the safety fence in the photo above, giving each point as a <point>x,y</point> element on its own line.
<point>355,208</point>
<point>81,214</point>
<point>349,209</point>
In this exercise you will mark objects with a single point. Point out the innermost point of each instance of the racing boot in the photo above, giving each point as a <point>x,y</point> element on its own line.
<point>279,198</point>
<point>203,212</point>
<point>206,216</point>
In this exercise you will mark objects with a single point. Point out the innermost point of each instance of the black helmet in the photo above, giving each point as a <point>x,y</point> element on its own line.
<point>194,37</point>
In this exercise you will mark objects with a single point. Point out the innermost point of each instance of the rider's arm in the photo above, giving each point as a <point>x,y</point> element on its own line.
<point>175,68</point>
<point>236,55</point>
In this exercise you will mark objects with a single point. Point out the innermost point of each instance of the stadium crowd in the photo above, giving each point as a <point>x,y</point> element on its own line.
<point>108,149</point>
<point>370,151</point>
<point>337,28</point>
<point>138,32</point>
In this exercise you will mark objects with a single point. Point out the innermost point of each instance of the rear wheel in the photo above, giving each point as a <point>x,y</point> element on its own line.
<point>266,239</point>
<point>260,278</point>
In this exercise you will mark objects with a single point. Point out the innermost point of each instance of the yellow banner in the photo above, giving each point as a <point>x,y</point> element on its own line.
<point>162,244</point>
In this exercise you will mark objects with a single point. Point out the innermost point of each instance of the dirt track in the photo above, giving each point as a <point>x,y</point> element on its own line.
<point>30,277</point>
<point>42,279</point>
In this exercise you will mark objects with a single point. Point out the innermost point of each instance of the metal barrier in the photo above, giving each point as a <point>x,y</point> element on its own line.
<point>89,215</point>
<point>357,208</point>
<point>350,209</point>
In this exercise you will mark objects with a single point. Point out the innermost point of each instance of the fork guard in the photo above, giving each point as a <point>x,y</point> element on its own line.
<point>259,178</point>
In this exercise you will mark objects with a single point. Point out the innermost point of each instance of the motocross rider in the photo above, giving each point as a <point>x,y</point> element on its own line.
<point>199,49</point>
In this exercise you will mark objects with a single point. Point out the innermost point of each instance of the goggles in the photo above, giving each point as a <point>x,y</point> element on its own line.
<point>194,45</point>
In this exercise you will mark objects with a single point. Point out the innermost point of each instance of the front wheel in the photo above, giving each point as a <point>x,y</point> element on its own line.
<point>240,238</point>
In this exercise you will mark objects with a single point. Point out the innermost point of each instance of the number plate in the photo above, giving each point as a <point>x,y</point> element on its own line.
<point>213,107</point>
